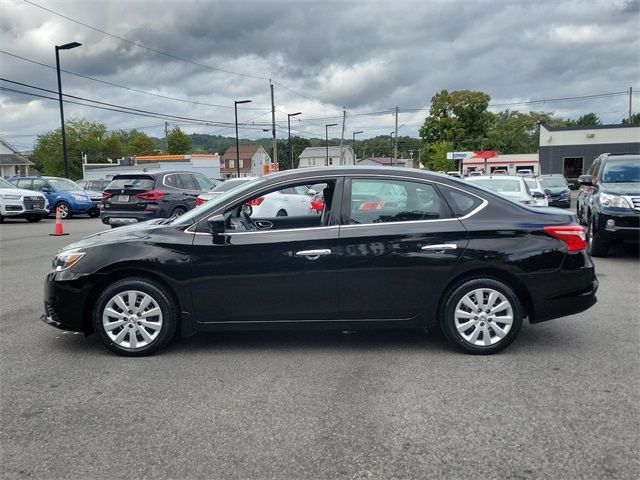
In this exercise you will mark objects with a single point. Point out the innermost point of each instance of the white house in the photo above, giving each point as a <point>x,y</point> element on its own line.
<point>11,163</point>
<point>317,157</point>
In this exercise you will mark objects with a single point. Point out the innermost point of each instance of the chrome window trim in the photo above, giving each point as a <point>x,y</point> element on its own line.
<point>191,228</point>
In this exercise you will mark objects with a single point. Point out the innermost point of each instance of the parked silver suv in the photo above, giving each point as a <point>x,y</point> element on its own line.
<point>18,203</point>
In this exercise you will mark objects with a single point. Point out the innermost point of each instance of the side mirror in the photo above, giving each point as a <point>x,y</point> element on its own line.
<point>585,180</point>
<point>216,225</point>
<point>46,190</point>
<point>547,192</point>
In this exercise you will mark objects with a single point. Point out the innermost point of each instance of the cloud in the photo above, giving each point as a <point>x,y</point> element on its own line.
<point>367,56</point>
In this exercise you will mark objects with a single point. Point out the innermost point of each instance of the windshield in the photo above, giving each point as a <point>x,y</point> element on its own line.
<point>212,204</point>
<point>498,184</point>
<point>64,184</point>
<point>5,184</point>
<point>621,172</point>
<point>553,181</point>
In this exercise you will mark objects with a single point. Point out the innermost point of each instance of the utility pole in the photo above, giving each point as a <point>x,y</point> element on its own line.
<point>395,150</point>
<point>166,136</point>
<point>344,118</point>
<point>630,95</point>
<point>273,126</point>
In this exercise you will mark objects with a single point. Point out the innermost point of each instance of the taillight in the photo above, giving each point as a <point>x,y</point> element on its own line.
<point>256,201</point>
<point>573,235</point>
<point>152,195</point>
<point>526,202</point>
<point>317,205</point>
<point>199,201</point>
<point>371,205</point>
<point>106,196</point>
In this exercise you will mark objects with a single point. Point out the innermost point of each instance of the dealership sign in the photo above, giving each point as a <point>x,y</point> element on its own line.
<point>459,155</point>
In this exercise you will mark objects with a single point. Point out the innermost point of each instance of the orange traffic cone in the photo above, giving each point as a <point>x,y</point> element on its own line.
<point>57,230</point>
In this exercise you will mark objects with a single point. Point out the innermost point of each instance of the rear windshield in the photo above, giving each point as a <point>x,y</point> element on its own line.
<point>621,172</point>
<point>553,181</point>
<point>135,182</point>
<point>531,183</point>
<point>228,185</point>
<point>498,184</point>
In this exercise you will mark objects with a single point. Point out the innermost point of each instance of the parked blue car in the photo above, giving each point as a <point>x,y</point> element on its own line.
<point>62,193</point>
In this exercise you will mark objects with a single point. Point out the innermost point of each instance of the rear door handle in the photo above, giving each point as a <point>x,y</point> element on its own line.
<point>440,247</point>
<point>313,254</point>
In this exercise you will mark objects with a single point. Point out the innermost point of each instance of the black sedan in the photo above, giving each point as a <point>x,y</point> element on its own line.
<point>391,248</point>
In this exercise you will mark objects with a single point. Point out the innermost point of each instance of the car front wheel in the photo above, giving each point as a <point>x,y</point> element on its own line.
<point>65,210</point>
<point>596,246</point>
<point>482,316</point>
<point>135,317</point>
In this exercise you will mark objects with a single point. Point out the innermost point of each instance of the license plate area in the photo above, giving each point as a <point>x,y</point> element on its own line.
<point>121,198</point>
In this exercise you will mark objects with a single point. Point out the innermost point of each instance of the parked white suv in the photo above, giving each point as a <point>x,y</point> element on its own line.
<point>18,203</point>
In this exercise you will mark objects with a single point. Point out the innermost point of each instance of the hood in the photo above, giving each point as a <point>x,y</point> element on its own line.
<point>137,231</point>
<point>556,190</point>
<point>20,191</point>
<point>622,188</point>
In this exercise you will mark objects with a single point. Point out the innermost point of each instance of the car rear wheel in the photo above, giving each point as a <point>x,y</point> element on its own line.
<point>65,210</point>
<point>596,246</point>
<point>482,316</point>
<point>135,317</point>
<point>281,213</point>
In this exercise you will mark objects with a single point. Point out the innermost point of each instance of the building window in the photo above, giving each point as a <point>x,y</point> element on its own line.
<point>330,161</point>
<point>232,163</point>
<point>312,162</point>
<point>241,163</point>
<point>572,166</point>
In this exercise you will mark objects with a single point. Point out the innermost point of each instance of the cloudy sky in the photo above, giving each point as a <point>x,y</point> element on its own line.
<point>192,59</point>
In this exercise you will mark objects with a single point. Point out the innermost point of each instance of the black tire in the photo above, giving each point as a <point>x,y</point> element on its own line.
<point>596,246</point>
<point>281,213</point>
<point>34,218</point>
<point>491,325</point>
<point>160,298</point>
<point>94,213</point>
<point>1,219</point>
<point>65,210</point>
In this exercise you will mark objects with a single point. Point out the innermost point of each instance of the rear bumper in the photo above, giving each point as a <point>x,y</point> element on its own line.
<point>114,217</point>
<point>567,291</point>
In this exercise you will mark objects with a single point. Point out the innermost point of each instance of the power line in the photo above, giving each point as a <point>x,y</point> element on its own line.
<point>169,55</point>
<point>121,86</point>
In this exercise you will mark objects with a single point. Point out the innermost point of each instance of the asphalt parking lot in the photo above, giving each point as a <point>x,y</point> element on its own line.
<point>561,402</point>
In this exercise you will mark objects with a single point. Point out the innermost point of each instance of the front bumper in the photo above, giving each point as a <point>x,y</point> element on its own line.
<point>560,202</point>
<point>618,226</point>
<point>66,296</point>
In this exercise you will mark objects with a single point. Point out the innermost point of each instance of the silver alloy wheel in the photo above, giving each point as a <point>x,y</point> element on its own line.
<point>132,319</point>
<point>483,317</point>
<point>64,210</point>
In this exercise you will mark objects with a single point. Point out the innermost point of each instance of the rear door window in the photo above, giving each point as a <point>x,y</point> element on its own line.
<point>172,180</point>
<point>383,201</point>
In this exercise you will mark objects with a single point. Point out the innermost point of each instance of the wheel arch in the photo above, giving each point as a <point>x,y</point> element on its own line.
<point>493,273</point>
<point>119,274</point>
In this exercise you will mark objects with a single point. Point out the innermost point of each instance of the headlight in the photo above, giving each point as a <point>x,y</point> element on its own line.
<point>614,201</point>
<point>10,197</point>
<point>65,260</point>
<point>80,198</point>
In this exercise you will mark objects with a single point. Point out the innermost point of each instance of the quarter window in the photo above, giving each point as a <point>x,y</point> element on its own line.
<point>382,201</point>
<point>462,203</point>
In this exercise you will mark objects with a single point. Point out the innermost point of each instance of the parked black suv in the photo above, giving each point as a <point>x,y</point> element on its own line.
<point>609,201</point>
<point>136,197</point>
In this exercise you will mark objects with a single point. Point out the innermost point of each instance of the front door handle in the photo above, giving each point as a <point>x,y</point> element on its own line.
<point>313,254</point>
<point>440,247</point>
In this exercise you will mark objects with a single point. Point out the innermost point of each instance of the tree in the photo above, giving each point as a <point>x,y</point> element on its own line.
<point>113,146</point>
<point>516,132</point>
<point>298,144</point>
<point>178,143</point>
<point>635,119</point>
<point>83,138</point>
<point>460,117</point>
<point>586,120</point>
<point>141,144</point>
<point>434,156</point>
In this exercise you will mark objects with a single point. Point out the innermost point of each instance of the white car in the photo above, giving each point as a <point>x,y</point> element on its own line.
<point>537,192</point>
<point>18,203</point>
<point>513,187</point>
<point>289,202</point>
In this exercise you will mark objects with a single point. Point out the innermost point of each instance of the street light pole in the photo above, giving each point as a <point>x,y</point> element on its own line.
<point>289,155</point>
<point>66,46</point>
<point>235,105</point>
<point>326,136</point>
<point>391,155</point>
<point>353,144</point>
